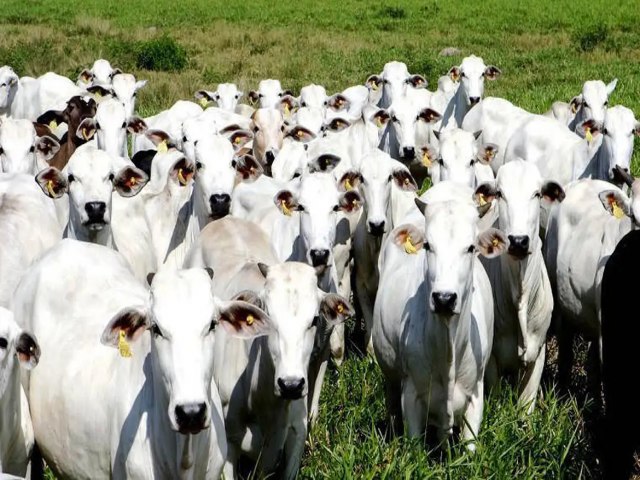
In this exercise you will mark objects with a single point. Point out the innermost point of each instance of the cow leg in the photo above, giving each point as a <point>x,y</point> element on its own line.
<point>413,410</point>
<point>315,397</point>
<point>565,353</point>
<point>337,344</point>
<point>473,417</point>
<point>394,406</point>
<point>230,464</point>
<point>530,383</point>
<point>595,378</point>
<point>491,377</point>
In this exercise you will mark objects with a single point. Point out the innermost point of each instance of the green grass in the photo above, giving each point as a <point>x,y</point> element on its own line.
<point>545,49</point>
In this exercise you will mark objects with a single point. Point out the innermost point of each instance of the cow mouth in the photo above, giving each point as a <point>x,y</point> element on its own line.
<point>191,430</point>
<point>95,225</point>
<point>518,254</point>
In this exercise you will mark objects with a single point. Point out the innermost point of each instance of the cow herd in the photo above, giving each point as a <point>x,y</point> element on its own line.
<point>172,288</point>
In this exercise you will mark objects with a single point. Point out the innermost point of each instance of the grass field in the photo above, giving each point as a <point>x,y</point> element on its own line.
<point>546,50</point>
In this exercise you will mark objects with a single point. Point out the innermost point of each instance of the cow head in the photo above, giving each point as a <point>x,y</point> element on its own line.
<point>21,151</point>
<point>471,74</point>
<point>8,86</point>
<point>17,347</point>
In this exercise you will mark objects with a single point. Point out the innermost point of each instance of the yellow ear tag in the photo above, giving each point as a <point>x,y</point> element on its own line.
<point>426,160</point>
<point>378,121</point>
<point>285,209</point>
<point>481,200</point>
<point>53,124</point>
<point>375,86</point>
<point>163,147</point>
<point>132,181</point>
<point>617,211</point>
<point>52,193</point>
<point>203,102</point>
<point>408,246</point>
<point>347,185</point>
<point>588,135</point>
<point>181,179</point>
<point>250,320</point>
<point>286,109</point>
<point>340,308</point>
<point>97,94</point>
<point>238,140</point>
<point>123,346</point>
<point>495,242</point>
<point>300,134</point>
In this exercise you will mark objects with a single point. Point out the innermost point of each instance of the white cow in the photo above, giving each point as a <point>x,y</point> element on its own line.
<point>523,301</point>
<point>89,180</point>
<point>28,227</point>
<point>17,349</point>
<point>266,414</point>
<point>268,127</point>
<point>149,409</point>
<point>395,81</point>
<point>313,96</point>
<point>433,321</point>
<point>619,132</point>
<point>101,73</point>
<point>8,87</point>
<point>21,150</point>
<point>226,96</point>
<point>378,175</point>
<point>592,104</point>
<point>582,233</point>
<point>269,94</point>
<point>124,87</point>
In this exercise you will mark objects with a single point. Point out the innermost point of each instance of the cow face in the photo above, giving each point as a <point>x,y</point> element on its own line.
<point>268,130</point>
<point>297,309</point>
<point>313,96</point>
<point>125,88</point>
<point>268,94</point>
<point>619,132</point>
<point>21,151</point>
<point>594,100</point>
<point>110,126</point>
<point>78,108</point>
<point>225,97</point>
<point>16,348</point>
<point>405,114</point>
<point>99,74</point>
<point>181,317</point>
<point>317,202</point>
<point>471,74</point>
<point>8,86</point>
<point>519,191</point>
<point>396,80</point>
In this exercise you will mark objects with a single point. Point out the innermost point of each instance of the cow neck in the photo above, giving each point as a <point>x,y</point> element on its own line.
<point>76,231</point>
<point>457,106</point>
<point>11,412</point>
<point>588,161</point>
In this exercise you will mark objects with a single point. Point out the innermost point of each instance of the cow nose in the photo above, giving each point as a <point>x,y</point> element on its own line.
<point>291,388</point>
<point>220,204</point>
<point>270,157</point>
<point>95,211</point>
<point>444,302</point>
<point>519,245</point>
<point>376,228</point>
<point>191,417</point>
<point>408,152</point>
<point>319,257</point>
<point>474,100</point>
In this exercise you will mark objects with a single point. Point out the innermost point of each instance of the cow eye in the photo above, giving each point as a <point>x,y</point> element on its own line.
<point>297,174</point>
<point>198,165</point>
<point>4,343</point>
<point>300,208</point>
<point>255,129</point>
<point>315,321</point>
<point>606,104</point>
<point>111,177</point>
<point>124,124</point>
<point>498,194</point>
<point>156,330</point>
<point>97,126</point>
<point>32,149</point>
<point>71,178</point>
<point>260,95</point>
<point>464,75</point>
<point>336,208</point>
<point>304,104</point>
<point>585,104</point>
<point>537,195</point>
<point>441,161</point>
<point>212,327</point>
<point>282,128</point>
<point>184,139</point>
<point>237,96</point>
<point>394,118</point>
<point>472,162</point>
<point>280,94</point>
<point>233,163</point>
<point>471,249</point>
<point>605,131</point>
<point>426,247</point>
<point>134,94</point>
<point>1,150</point>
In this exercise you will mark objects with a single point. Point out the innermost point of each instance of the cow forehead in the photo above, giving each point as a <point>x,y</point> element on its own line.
<point>404,108</point>
<point>16,131</point>
<point>594,90</point>
<point>447,191</point>
<point>310,118</point>
<point>376,166</point>
<point>619,119</point>
<point>90,162</point>
<point>111,110</point>
<point>214,150</point>
<point>451,223</point>
<point>313,90</point>
<point>517,178</point>
<point>395,70</point>
<point>269,86</point>
<point>182,300</point>
<point>318,189</point>
<point>123,83</point>
<point>473,65</point>
<point>457,143</point>
<point>291,289</point>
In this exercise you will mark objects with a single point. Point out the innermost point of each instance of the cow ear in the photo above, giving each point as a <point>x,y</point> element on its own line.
<point>288,104</point>
<point>240,138</point>
<point>324,163</point>
<point>52,182</point>
<point>243,320</point>
<point>636,129</point>
<point>46,147</point>
<point>254,96</point>
<point>417,81</point>
<point>140,84</point>
<point>576,103</point>
<point>204,97</point>
<point>611,86</point>
<point>87,129</point>
<point>335,308</point>
<point>129,181</point>
<point>27,350</point>
<point>115,71</point>
<point>616,203</point>
<point>182,171</point>
<point>350,201</point>
<point>160,139</point>
<point>249,296</point>
<point>552,192</point>
<point>338,102</point>
<point>487,152</point>
<point>136,126</point>
<point>99,92</point>
<point>248,168</point>
<point>131,321</point>
<point>52,118</point>
<point>429,155</point>
<point>301,134</point>
<point>85,76</point>
<point>381,118</point>
<point>404,180</point>
<point>285,202</point>
<point>429,115</point>
<point>374,82</point>
<point>492,243</point>
<point>483,196</point>
<point>408,238</point>
<point>349,180</point>
<point>337,125</point>
<point>454,74</point>
<point>492,72</point>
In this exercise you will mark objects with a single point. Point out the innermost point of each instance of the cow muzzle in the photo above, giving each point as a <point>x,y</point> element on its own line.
<point>291,388</point>
<point>319,258</point>
<point>518,246</point>
<point>220,204</point>
<point>408,154</point>
<point>95,213</point>
<point>474,101</point>
<point>376,228</point>
<point>444,302</point>
<point>191,418</point>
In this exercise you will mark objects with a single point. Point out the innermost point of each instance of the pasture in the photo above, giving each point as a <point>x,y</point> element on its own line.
<point>546,50</point>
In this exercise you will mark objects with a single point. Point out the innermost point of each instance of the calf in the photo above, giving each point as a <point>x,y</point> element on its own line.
<point>395,80</point>
<point>266,414</point>
<point>592,103</point>
<point>269,94</point>
<point>124,88</point>
<point>433,321</point>
<point>225,97</point>
<point>157,415</point>
<point>17,349</point>
<point>21,150</point>
<point>523,300</point>
<point>101,73</point>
